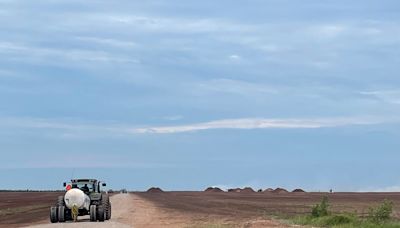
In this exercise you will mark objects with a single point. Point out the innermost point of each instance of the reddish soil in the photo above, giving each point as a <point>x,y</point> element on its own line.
<point>237,207</point>
<point>24,208</point>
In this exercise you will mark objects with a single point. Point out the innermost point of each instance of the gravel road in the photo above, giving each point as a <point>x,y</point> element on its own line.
<point>121,207</point>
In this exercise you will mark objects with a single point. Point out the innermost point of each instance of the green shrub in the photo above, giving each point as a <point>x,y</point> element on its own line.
<point>321,209</point>
<point>335,220</point>
<point>381,213</point>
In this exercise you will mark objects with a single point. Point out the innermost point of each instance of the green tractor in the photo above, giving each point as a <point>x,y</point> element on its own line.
<point>83,197</point>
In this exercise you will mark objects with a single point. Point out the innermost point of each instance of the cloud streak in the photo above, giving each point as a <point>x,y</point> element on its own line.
<point>259,123</point>
<point>69,129</point>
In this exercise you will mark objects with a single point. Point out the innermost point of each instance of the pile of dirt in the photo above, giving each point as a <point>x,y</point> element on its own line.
<point>280,190</point>
<point>211,189</point>
<point>154,190</point>
<point>298,190</point>
<point>247,190</point>
<point>234,190</point>
<point>268,190</point>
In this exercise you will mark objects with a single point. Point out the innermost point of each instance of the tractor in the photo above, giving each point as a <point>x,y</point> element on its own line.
<point>82,197</point>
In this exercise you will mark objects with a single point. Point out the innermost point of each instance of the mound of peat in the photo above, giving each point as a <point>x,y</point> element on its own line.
<point>213,189</point>
<point>280,190</point>
<point>154,190</point>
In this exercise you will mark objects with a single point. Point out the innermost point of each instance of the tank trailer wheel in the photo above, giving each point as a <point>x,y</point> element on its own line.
<point>100,213</point>
<point>53,214</point>
<point>93,212</point>
<point>61,213</point>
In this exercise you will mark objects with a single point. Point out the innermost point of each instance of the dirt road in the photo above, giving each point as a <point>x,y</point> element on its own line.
<point>134,210</point>
<point>121,208</point>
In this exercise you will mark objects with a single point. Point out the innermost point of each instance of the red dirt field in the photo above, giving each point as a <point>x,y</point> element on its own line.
<point>236,208</point>
<point>198,209</point>
<point>24,208</point>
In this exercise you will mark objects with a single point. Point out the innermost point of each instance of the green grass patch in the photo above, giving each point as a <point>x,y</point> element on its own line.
<point>342,221</point>
<point>379,217</point>
<point>210,226</point>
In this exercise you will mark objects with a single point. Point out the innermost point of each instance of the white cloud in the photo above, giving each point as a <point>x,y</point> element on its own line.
<point>234,57</point>
<point>258,123</point>
<point>68,129</point>
<point>237,87</point>
<point>173,118</point>
<point>177,25</point>
<point>58,56</point>
<point>328,31</point>
<point>390,96</point>
<point>110,42</point>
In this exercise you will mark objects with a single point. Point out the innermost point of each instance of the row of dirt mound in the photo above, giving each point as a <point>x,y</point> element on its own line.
<point>250,190</point>
<point>244,190</point>
<point>241,190</point>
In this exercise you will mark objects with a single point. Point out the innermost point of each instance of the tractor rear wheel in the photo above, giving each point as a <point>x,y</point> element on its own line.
<point>53,215</point>
<point>100,213</point>
<point>61,213</point>
<point>93,213</point>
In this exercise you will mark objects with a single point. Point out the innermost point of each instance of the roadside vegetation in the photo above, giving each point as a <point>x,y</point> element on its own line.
<point>378,217</point>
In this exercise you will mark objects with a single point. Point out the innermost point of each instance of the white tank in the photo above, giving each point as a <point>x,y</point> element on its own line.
<point>78,198</point>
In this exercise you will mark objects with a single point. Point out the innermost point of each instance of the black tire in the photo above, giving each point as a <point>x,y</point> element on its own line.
<point>93,212</point>
<point>105,201</point>
<point>100,213</point>
<point>109,212</point>
<point>61,213</point>
<point>53,214</point>
<point>68,214</point>
<point>60,201</point>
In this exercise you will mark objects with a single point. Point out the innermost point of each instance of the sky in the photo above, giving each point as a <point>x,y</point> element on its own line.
<point>189,94</point>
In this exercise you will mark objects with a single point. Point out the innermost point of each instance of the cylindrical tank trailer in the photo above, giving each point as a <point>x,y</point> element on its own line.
<point>76,198</point>
<point>83,197</point>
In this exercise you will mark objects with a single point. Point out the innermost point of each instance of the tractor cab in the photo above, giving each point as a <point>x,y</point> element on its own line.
<point>88,186</point>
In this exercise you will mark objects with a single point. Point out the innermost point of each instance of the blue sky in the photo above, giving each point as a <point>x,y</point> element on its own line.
<point>191,94</point>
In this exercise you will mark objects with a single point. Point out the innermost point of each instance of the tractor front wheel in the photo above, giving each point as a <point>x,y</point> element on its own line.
<point>100,213</point>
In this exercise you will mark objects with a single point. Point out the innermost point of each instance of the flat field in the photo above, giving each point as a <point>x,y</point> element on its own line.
<point>194,209</point>
<point>21,208</point>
